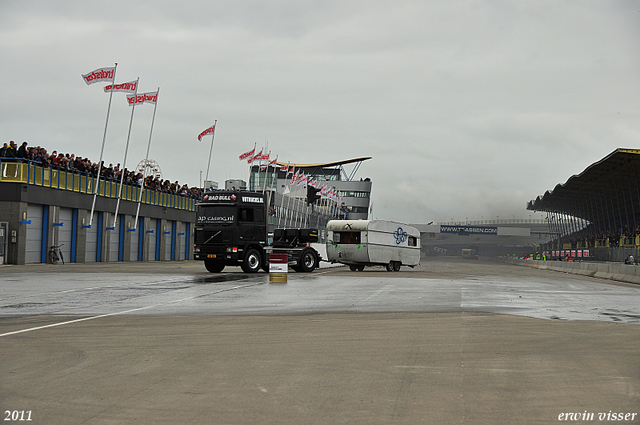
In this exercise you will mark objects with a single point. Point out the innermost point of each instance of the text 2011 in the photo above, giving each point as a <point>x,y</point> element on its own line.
<point>17,415</point>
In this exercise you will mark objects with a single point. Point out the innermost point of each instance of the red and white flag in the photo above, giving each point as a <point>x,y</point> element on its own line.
<point>285,168</point>
<point>303,180</point>
<point>100,74</point>
<point>209,130</point>
<point>151,97</point>
<point>247,154</point>
<point>129,87</point>
<point>291,170</point>
<point>256,157</point>
<point>294,177</point>
<point>273,163</point>
<point>265,157</point>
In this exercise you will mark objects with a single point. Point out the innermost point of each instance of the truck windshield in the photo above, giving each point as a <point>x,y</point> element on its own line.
<point>216,215</point>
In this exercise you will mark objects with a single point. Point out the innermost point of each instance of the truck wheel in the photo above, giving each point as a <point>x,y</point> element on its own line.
<point>390,267</point>
<point>360,268</point>
<point>214,266</point>
<point>396,266</point>
<point>252,261</point>
<point>353,267</point>
<point>308,260</point>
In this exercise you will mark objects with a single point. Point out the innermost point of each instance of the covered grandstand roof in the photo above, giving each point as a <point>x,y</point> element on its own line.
<point>609,186</point>
<point>327,164</point>
<point>330,168</point>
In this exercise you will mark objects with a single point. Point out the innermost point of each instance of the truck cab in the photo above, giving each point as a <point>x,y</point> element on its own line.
<point>231,230</point>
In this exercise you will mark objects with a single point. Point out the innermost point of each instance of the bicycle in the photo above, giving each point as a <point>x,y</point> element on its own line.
<point>55,254</point>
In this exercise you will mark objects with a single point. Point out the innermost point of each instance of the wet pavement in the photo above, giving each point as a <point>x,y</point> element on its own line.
<point>451,341</point>
<point>186,289</point>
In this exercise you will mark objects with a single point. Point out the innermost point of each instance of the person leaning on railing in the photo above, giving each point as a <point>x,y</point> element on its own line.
<point>69,162</point>
<point>22,151</point>
<point>8,151</point>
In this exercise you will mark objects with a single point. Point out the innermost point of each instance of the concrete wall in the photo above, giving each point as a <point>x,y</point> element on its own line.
<point>614,271</point>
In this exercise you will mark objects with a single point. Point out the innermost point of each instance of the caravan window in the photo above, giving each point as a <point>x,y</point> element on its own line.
<point>413,241</point>
<point>346,237</point>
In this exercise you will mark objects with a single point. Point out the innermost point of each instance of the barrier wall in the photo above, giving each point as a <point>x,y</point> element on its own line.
<point>614,271</point>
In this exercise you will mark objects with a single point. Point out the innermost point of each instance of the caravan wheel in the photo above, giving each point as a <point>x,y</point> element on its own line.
<point>393,266</point>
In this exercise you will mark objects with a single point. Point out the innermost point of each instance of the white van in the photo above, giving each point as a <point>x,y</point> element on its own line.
<point>360,243</point>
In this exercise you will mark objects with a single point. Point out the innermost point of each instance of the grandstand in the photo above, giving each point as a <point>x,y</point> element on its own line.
<point>595,215</point>
<point>41,206</point>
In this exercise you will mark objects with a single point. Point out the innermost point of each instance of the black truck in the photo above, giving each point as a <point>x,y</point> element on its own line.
<point>232,230</point>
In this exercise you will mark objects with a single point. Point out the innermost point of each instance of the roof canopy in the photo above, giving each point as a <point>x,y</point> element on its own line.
<point>327,164</point>
<point>607,190</point>
<point>330,168</point>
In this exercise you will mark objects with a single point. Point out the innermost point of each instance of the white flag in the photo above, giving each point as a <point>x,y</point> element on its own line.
<point>151,97</point>
<point>129,87</point>
<point>100,74</point>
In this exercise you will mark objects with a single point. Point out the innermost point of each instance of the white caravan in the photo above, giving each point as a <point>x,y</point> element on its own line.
<point>360,243</point>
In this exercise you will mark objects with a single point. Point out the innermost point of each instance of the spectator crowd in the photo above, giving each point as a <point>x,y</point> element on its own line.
<point>76,164</point>
<point>588,236</point>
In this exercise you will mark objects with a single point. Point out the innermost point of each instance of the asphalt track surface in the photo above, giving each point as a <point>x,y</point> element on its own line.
<point>450,342</point>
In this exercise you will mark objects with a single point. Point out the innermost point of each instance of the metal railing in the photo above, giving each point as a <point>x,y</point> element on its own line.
<point>29,173</point>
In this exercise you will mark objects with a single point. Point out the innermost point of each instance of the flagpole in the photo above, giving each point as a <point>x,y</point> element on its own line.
<point>286,209</point>
<point>266,173</point>
<point>266,146</point>
<point>126,151</point>
<point>250,161</point>
<point>146,160</point>
<point>289,215</point>
<point>273,176</point>
<point>294,201</point>
<point>260,169</point>
<point>300,202</point>
<point>213,135</point>
<point>266,170</point>
<point>310,209</point>
<point>270,187</point>
<point>299,206</point>
<point>104,137</point>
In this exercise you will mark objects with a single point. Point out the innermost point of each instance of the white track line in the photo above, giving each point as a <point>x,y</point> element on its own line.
<point>124,312</point>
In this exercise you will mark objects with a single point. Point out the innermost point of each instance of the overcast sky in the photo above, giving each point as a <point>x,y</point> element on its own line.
<point>469,109</point>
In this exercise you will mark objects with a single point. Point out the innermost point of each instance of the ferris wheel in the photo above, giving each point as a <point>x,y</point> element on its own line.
<point>149,168</point>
